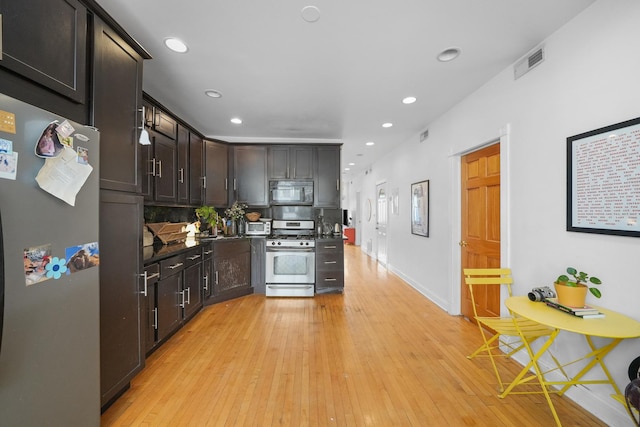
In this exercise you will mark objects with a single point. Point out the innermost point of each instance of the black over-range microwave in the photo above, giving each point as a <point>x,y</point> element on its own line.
<point>289,192</point>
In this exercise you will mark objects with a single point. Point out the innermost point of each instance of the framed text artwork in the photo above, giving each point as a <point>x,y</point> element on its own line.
<point>420,208</point>
<point>603,180</point>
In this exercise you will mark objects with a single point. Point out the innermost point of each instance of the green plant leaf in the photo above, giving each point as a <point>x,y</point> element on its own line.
<point>563,278</point>
<point>596,292</point>
<point>572,271</point>
<point>595,281</point>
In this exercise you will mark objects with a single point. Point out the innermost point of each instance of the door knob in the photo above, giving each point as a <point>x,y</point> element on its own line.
<point>462,243</point>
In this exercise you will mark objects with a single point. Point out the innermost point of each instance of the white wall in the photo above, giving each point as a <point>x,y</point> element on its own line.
<point>589,79</point>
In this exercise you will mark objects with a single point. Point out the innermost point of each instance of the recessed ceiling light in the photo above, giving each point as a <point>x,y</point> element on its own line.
<point>236,120</point>
<point>352,164</point>
<point>449,54</point>
<point>176,45</point>
<point>310,14</point>
<point>409,100</point>
<point>347,169</point>
<point>213,93</point>
<point>387,125</point>
<point>370,143</point>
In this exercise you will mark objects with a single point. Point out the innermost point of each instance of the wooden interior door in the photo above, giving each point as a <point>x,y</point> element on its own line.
<point>480,244</point>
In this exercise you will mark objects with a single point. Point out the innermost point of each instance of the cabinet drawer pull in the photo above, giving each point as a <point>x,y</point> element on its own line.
<point>216,278</point>
<point>206,283</point>
<point>191,258</point>
<point>330,262</point>
<point>188,295</point>
<point>226,183</point>
<point>174,266</point>
<point>329,279</point>
<point>146,281</point>
<point>330,247</point>
<point>155,318</point>
<point>153,167</point>
<point>181,176</point>
<point>144,275</point>
<point>208,252</point>
<point>159,168</point>
<point>204,182</point>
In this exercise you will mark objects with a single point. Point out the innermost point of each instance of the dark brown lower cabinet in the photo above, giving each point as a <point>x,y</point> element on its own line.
<point>329,266</point>
<point>173,295</point>
<point>121,339</point>
<point>150,321</point>
<point>231,270</point>
<point>191,293</point>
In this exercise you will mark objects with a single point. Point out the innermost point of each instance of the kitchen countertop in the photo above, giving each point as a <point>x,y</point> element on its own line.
<point>159,251</point>
<point>331,237</point>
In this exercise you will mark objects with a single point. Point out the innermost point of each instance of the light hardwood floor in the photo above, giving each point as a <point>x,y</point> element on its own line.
<point>381,354</point>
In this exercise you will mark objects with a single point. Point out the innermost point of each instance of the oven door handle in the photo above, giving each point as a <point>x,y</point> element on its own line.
<point>290,286</point>
<point>271,249</point>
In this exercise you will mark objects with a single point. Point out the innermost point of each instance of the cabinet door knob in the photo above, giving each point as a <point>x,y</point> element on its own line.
<point>462,243</point>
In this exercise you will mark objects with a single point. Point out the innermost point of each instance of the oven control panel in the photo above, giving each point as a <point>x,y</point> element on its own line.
<point>291,243</point>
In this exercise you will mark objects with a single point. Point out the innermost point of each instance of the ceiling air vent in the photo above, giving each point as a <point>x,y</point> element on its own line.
<point>527,63</point>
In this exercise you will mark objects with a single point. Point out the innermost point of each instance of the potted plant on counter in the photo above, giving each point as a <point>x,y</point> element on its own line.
<point>209,219</point>
<point>572,291</point>
<point>233,215</point>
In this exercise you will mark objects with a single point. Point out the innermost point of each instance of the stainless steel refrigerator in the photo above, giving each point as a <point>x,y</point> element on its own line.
<point>49,255</point>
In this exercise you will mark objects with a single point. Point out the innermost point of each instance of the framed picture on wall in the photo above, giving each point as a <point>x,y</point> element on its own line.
<point>603,180</point>
<point>420,208</point>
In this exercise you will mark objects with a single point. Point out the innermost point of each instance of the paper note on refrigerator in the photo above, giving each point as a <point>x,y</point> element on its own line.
<point>63,176</point>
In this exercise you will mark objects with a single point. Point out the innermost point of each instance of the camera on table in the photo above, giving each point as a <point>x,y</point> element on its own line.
<point>541,293</point>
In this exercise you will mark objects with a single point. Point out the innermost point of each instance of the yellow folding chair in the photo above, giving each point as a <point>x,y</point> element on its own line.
<point>509,332</point>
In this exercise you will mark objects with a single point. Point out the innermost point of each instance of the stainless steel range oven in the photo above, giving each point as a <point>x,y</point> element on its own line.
<point>290,259</point>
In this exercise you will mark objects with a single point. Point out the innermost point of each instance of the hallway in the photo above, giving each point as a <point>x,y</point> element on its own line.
<point>379,355</point>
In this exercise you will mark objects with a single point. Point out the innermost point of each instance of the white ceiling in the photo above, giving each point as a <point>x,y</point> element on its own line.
<point>337,79</point>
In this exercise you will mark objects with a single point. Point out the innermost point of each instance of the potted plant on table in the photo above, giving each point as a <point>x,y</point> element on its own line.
<point>572,291</point>
<point>209,219</point>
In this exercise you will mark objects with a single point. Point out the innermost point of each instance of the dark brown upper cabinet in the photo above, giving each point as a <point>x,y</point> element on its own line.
<point>117,109</point>
<point>196,169</point>
<point>46,42</point>
<point>182,173</point>
<point>290,162</point>
<point>217,174</point>
<point>250,183</point>
<point>164,123</point>
<point>326,191</point>
<point>159,170</point>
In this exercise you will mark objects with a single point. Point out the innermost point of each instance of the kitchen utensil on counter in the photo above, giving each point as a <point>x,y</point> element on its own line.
<point>169,232</point>
<point>337,229</point>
